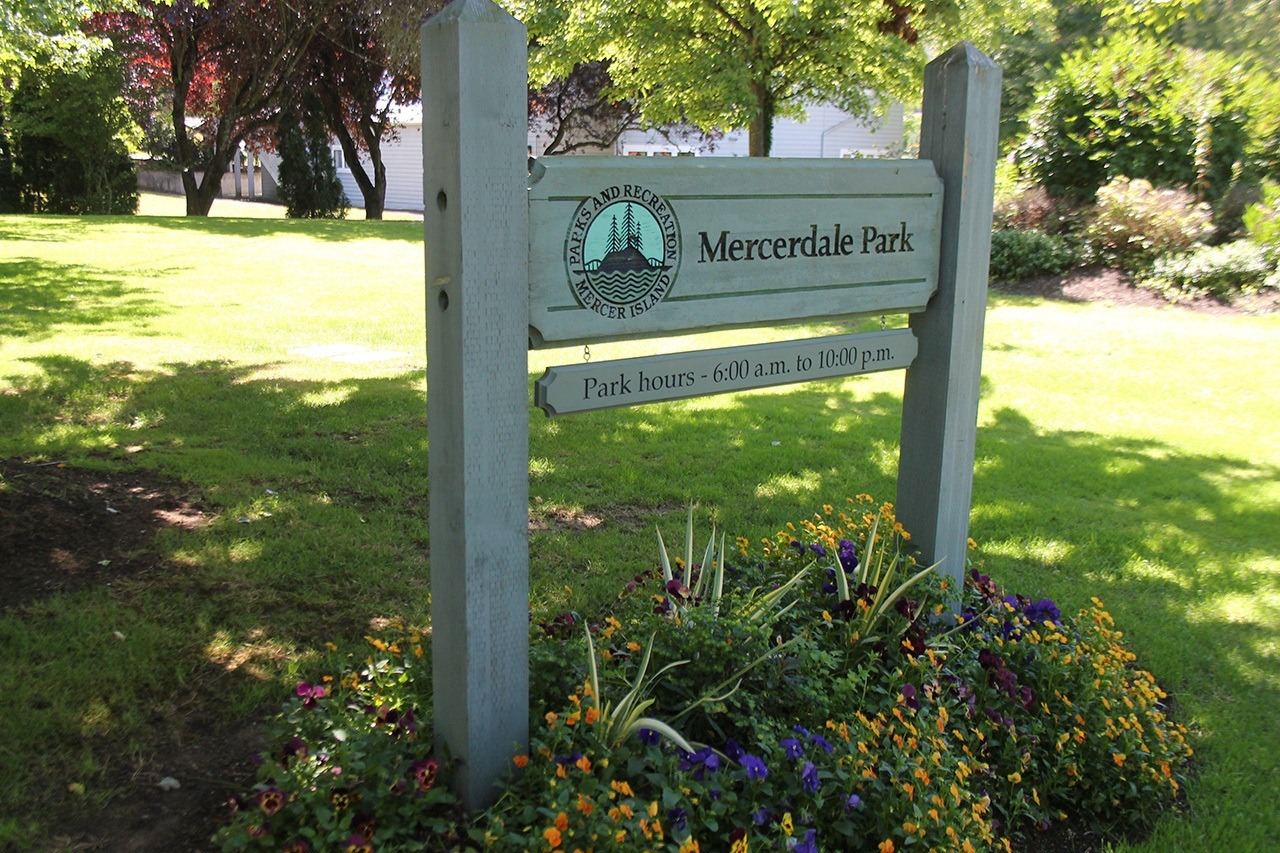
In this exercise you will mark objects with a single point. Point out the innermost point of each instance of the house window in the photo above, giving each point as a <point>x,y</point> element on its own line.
<point>339,161</point>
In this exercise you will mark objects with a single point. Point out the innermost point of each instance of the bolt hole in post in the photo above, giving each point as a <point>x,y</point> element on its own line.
<point>443,300</point>
<point>442,200</point>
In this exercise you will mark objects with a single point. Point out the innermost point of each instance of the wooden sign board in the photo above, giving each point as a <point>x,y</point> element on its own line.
<point>676,376</point>
<point>615,248</point>
<point>635,247</point>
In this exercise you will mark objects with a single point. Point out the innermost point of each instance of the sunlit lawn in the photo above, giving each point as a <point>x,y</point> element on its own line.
<point>1126,453</point>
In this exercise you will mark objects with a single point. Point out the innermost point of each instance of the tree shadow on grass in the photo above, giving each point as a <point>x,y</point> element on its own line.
<point>330,479</point>
<point>37,297</point>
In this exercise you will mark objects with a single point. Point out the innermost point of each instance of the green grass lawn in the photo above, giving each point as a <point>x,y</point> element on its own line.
<point>1127,453</point>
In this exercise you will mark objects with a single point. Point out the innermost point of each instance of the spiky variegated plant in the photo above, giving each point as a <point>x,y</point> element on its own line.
<point>883,557</point>
<point>684,592</point>
<point>618,722</point>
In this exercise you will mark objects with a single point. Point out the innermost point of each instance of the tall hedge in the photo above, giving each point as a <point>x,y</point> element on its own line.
<point>67,125</point>
<point>309,185</point>
<point>1132,107</point>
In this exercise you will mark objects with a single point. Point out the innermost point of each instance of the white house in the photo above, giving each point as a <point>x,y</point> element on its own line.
<point>828,132</point>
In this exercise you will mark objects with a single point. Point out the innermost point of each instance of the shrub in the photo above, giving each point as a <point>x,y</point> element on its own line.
<point>1137,107</point>
<point>1262,221</point>
<point>309,185</point>
<point>1134,223</point>
<point>1032,209</point>
<point>1017,254</point>
<point>67,124</point>
<point>1217,271</point>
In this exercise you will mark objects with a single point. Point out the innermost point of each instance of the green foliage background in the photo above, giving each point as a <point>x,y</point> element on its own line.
<point>1133,106</point>
<point>67,125</point>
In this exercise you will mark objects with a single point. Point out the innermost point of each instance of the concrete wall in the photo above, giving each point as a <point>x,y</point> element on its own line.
<point>165,181</point>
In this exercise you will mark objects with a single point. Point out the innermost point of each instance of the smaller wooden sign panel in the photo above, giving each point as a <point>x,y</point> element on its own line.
<point>627,248</point>
<point>651,379</point>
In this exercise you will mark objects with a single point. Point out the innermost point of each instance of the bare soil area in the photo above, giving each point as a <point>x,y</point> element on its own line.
<point>65,529</point>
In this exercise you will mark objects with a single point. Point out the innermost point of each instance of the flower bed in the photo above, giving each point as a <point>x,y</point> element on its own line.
<point>810,692</point>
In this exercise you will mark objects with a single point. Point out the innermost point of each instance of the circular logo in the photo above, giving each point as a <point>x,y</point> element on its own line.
<point>622,251</point>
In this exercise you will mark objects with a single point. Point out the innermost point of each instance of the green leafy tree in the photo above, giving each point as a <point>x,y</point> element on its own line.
<point>31,31</point>
<point>68,126</point>
<point>1135,107</point>
<point>1029,57</point>
<point>309,183</point>
<point>726,64</point>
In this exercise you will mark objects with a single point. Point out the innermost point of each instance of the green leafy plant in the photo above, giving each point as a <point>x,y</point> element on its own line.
<point>693,583</point>
<point>621,721</point>
<point>1018,254</point>
<point>1134,223</point>
<point>1217,271</point>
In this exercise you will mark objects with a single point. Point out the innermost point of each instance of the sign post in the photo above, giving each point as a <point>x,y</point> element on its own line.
<point>587,249</point>
<point>475,225</point>
<point>940,398</point>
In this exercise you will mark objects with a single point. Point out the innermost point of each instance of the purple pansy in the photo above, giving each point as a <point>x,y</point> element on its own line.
<point>809,777</point>
<point>310,693</point>
<point>848,556</point>
<point>754,766</point>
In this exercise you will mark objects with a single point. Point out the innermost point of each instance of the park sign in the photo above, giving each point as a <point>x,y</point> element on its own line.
<point>674,376</point>
<point>590,249</point>
<point>635,247</point>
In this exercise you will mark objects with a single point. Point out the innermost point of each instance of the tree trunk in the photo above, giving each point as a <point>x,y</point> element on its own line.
<point>760,131</point>
<point>374,191</point>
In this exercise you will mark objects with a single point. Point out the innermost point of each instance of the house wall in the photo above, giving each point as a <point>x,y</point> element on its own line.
<point>828,132</point>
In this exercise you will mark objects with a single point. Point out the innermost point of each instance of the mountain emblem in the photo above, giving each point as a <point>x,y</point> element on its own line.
<point>622,251</point>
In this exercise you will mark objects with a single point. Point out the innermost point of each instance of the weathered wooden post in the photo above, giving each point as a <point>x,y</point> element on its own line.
<point>476,233</point>
<point>940,398</point>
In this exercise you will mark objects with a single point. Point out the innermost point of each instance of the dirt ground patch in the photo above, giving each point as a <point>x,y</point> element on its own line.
<point>65,529</point>
<point>1112,287</point>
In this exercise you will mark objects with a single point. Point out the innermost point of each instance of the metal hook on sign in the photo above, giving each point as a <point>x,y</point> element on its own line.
<point>586,353</point>
<point>883,322</point>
